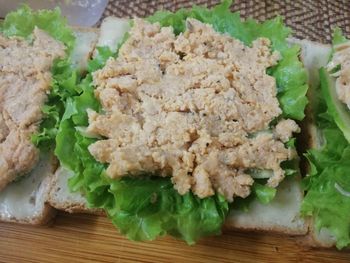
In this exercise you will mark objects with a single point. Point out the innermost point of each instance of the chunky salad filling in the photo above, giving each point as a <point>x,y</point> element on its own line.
<point>208,87</point>
<point>339,67</point>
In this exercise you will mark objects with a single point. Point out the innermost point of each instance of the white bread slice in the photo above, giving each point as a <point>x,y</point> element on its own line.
<point>281,215</point>
<point>314,56</point>
<point>61,198</point>
<point>25,201</point>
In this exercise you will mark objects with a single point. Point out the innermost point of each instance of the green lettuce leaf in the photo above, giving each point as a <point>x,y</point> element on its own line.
<point>147,207</point>
<point>265,194</point>
<point>64,84</point>
<point>329,206</point>
<point>328,185</point>
<point>338,37</point>
<point>23,21</point>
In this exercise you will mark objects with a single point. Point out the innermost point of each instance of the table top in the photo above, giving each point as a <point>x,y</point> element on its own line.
<point>88,238</point>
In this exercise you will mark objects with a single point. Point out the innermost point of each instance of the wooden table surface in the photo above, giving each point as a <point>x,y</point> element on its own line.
<point>87,238</point>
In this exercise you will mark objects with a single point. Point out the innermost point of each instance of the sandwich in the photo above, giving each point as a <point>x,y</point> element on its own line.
<point>327,199</point>
<point>40,55</point>
<point>191,121</point>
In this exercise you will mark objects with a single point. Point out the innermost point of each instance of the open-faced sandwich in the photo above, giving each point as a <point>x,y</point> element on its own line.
<point>327,197</point>
<point>192,117</point>
<point>39,57</point>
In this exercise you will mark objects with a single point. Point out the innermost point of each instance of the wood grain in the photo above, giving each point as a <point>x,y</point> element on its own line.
<point>88,238</point>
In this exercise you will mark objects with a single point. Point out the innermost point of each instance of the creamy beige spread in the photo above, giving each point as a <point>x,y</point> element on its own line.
<point>341,57</point>
<point>24,83</point>
<point>193,107</point>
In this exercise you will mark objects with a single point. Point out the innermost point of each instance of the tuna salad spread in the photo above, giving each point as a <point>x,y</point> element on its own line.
<point>341,57</point>
<point>25,80</point>
<point>197,107</point>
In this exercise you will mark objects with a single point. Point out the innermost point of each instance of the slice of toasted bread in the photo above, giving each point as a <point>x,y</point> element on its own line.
<point>25,201</point>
